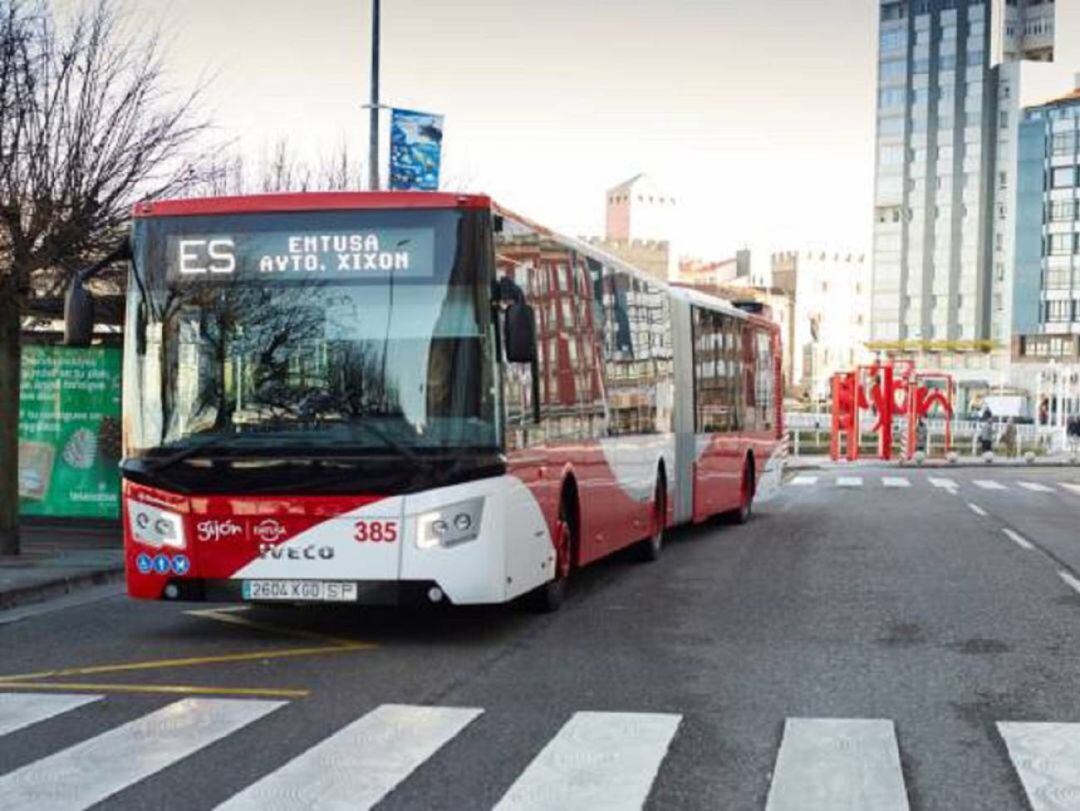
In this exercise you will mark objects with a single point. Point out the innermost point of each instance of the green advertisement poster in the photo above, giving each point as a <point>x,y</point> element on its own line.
<point>69,432</point>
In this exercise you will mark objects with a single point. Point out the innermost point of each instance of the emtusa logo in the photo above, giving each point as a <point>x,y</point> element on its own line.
<point>269,531</point>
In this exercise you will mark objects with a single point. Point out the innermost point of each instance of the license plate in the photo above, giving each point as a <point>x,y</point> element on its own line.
<point>321,591</point>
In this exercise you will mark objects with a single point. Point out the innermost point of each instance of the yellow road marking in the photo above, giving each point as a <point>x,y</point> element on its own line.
<point>194,661</point>
<point>172,689</point>
<point>229,615</point>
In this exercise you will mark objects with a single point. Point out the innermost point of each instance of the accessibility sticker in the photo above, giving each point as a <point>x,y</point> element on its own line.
<point>144,563</point>
<point>162,564</point>
<point>181,565</point>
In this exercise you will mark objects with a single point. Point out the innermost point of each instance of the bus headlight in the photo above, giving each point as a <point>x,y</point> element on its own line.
<point>155,527</point>
<point>449,526</point>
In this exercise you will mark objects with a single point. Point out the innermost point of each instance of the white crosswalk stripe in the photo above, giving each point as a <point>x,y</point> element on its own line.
<point>834,764</point>
<point>1047,760</point>
<point>986,484</point>
<point>943,484</point>
<point>849,481</point>
<point>1072,488</point>
<point>358,766</point>
<point>1035,487</point>
<point>18,710</point>
<point>804,481</point>
<point>895,481</point>
<point>598,760</point>
<point>89,772</point>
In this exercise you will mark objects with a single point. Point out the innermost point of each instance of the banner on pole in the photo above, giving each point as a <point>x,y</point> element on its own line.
<point>415,150</point>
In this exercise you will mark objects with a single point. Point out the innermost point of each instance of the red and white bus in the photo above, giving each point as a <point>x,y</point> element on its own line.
<point>391,397</point>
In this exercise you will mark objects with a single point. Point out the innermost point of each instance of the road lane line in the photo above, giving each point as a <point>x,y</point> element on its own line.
<point>987,484</point>
<point>89,772</point>
<point>18,710</point>
<point>804,481</point>
<point>1018,539</point>
<point>944,484</point>
<point>233,615</point>
<point>1070,581</point>
<point>975,508</point>
<point>359,765</point>
<point>849,481</point>
<point>195,661</point>
<point>1035,487</point>
<point>161,689</point>
<point>895,481</point>
<point>1047,759</point>
<point>830,764</point>
<point>1072,488</point>
<point>598,760</point>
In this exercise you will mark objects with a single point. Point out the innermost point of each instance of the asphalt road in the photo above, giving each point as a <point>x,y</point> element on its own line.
<point>848,597</point>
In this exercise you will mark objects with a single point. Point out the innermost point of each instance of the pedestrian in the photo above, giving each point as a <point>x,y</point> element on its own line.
<point>921,435</point>
<point>1073,430</point>
<point>986,433</point>
<point>1008,438</point>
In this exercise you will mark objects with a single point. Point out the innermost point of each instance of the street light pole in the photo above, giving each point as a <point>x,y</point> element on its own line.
<point>373,149</point>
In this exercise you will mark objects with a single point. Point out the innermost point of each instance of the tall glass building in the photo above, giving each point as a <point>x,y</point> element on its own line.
<point>1046,313</point>
<point>947,121</point>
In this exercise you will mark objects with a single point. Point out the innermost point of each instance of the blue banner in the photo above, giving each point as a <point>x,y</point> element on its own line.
<point>415,150</point>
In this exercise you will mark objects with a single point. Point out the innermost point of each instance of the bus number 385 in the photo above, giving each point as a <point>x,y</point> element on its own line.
<point>368,531</point>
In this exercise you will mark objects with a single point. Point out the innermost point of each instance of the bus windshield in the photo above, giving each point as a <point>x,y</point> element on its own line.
<point>310,333</point>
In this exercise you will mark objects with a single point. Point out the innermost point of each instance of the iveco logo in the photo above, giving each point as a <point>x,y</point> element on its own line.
<point>269,531</point>
<point>309,552</point>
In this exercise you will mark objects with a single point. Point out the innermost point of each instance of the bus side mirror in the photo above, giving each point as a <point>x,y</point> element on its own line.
<point>521,333</point>
<point>78,315</point>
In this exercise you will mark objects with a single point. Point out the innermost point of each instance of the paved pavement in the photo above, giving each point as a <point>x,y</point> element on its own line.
<point>859,645</point>
<point>59,558</point>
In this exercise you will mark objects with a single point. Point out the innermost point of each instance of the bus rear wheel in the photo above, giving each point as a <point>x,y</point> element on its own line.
<point>550,596</point>
<point>649,550</point>
<point>746,494</point>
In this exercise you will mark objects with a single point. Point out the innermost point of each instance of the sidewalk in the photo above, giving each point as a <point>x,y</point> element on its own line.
<point>824,462</point>
<point>59,558</point>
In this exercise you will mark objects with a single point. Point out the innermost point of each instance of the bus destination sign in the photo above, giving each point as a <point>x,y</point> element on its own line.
<point>285,256</point>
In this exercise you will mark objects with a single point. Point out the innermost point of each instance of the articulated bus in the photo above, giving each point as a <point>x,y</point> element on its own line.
<point>417,397</point>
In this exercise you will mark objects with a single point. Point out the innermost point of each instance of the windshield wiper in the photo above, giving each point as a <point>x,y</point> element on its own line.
<point>393,444</point>
<point>162,462</point>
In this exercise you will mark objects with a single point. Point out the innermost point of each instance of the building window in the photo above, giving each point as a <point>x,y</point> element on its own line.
<point>1058,311</point>
<point>1063,177</point>
<point>1062,210</point>
<point>1063,143</point>
<point>1060,244</point>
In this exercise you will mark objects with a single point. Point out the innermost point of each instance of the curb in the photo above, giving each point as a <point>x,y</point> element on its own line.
<point>60,587</point>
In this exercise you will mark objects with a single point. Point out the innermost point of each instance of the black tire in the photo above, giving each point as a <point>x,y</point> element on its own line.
<point>745,510</point>
<point>549,597</point>
<point>650,549</point>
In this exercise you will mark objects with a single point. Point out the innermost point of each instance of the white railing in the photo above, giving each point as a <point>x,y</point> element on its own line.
<point>810,433</point>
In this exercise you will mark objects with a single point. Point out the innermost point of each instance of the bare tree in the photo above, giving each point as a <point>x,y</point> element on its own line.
<point>282,170</point>
<point>87,128</point>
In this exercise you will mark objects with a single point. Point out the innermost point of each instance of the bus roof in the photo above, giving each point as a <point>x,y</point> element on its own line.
<point>308,201</point>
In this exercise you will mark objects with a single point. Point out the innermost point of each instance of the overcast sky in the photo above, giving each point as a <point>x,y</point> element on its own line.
<point>757,116</point>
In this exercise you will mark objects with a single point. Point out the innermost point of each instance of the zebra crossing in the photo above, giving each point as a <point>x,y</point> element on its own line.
<point>892,482</point>
<point>596,760</point>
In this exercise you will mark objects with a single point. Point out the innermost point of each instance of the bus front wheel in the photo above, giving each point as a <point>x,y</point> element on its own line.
<point>550,596</point>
